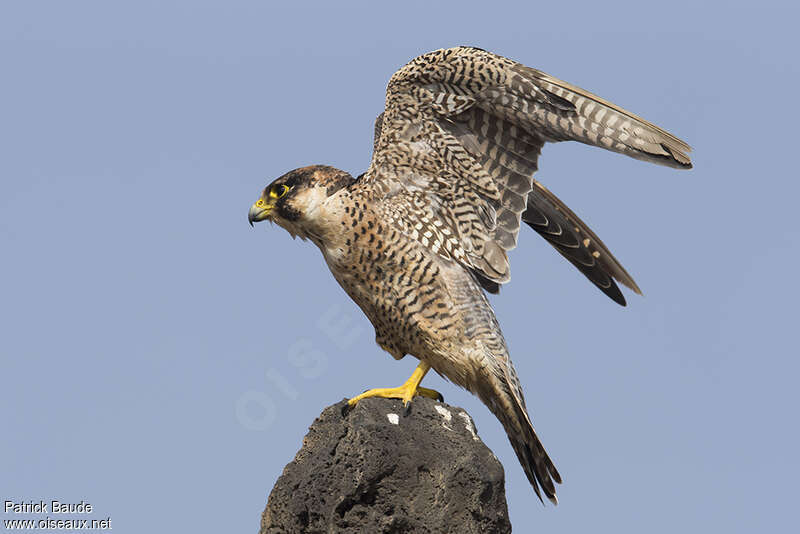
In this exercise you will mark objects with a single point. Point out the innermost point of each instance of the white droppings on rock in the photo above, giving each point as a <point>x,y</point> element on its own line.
<point>444,412</point>
<point>468,423</point>
<point>393,418</point>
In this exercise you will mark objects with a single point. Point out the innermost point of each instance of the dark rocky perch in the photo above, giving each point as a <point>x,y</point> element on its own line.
<point>373,469</point>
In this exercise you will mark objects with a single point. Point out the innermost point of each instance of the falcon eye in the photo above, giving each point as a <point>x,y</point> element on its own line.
<point>278,191</point>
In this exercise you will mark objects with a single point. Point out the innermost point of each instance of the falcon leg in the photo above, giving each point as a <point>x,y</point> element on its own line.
<point>406,392</point>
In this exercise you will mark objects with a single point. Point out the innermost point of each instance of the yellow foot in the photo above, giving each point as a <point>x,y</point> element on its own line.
<point>406,392</point>
<point>402,392</point>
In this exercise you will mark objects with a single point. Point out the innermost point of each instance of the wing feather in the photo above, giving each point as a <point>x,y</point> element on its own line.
<point>573,238</point>
<point>457,146</point>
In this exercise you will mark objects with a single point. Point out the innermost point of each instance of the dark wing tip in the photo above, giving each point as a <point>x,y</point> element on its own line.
<point>601,279</point>
<point>563,229</point>
<point>614,293</point>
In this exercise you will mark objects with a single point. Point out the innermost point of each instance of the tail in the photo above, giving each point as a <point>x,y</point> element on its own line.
<point>508,405</point>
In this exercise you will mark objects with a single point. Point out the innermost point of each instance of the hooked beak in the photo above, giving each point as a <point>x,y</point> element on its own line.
<point>258,211</point>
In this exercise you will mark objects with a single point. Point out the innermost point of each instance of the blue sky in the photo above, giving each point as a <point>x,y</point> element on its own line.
<point>162,361</point>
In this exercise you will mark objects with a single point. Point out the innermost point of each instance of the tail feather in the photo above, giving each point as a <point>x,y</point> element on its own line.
<point>505,400</point>
<point>537,464</point>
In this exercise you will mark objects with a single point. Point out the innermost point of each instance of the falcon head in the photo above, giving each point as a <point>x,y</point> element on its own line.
<point>295,200</point>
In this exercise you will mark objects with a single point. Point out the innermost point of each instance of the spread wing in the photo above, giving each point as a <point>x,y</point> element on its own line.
<point>457,146</point>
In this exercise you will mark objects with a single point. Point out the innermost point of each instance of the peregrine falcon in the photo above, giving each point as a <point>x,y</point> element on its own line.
<point>419,238</point>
